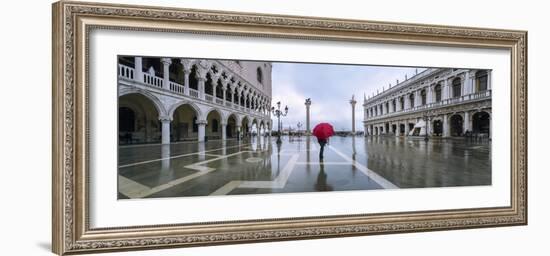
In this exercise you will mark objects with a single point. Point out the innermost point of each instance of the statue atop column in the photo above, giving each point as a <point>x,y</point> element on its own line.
<point>308,127</point>
<point>353,102</point>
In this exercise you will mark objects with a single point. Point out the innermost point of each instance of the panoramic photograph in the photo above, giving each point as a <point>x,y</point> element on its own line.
<point>214,127</point>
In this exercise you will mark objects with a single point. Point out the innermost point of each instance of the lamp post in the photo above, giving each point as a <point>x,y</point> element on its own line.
<point>427,119</point>
<point>279,113</point>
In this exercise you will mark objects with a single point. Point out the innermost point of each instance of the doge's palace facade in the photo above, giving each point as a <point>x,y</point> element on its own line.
<point>164,100</point>
<point>452,102</point>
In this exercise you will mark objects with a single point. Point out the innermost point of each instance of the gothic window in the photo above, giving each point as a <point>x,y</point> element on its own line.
<point>193,81</point>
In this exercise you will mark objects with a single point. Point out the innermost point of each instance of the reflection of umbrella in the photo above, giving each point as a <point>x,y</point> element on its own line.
<point>323,131</point>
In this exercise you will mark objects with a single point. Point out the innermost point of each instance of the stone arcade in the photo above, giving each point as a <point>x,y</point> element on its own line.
<point>454,103</point>
<point>164,100</point>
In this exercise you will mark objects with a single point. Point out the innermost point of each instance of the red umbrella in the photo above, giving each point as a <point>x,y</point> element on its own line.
<point>323,131</point>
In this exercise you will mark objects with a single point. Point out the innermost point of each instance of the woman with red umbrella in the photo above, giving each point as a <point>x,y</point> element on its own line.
<point>323,131</point>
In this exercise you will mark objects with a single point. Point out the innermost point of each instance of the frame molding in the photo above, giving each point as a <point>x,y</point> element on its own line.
<point>72,22</point>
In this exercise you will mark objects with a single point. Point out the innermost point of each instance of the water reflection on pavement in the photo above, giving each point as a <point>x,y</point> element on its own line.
<point>261,166</point>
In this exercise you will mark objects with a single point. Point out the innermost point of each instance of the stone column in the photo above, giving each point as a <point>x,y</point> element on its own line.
<point>139,69</point>
<point>407,128</point>
<point>468,83</point>
<point>202,129</point>
<point>166,72</point>
<point>417,98</point>
<point>239,98</point>
<point>397,104</point>
<point>249,128</point>
<point>308,128</point>
<point>224,90</point>
<point>238,130</point>
<point>444,89</point>
<point>165,155</point>
<point>254,103</point>
<point>353,102</point>
<point>466,122</point>
<point>186,82</point>
<point>186,64</point>
<point>214,87</point>
<point>396,129</point>
<point>445,126</point>
<point>165,135</point>
<point>224,134</point>
<point>201,148</point>
<point>201,81</point>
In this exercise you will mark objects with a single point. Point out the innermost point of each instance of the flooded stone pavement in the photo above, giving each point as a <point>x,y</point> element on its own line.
<point>261,166</point>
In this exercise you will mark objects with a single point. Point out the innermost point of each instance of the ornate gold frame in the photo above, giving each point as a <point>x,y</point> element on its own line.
<point>73,20</point>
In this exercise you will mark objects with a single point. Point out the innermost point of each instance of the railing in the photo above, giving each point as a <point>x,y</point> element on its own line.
<point>157,82</point>
<point>193,93</point>
<point>125,71</point>
<point>152,80</point>
<point>450,101</point>
<point>177,88</point>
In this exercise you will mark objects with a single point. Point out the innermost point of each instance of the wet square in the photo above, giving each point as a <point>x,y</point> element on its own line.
<point>261,166</point>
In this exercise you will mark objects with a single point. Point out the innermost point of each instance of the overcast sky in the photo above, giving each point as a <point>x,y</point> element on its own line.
<point>330,88</point>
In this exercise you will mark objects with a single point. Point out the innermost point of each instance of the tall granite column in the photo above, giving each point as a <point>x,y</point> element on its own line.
<point>353,102</point>
<point>308,127</point>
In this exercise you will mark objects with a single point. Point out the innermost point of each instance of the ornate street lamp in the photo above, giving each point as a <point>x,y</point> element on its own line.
<point>279,113</point>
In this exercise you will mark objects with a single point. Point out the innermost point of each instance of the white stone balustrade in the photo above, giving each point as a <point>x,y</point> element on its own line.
<point>129,73</point>
<point>442,103</point>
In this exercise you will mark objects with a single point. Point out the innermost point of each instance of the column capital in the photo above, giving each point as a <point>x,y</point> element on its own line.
<point>199,122</point>
<point>201,74</point>
<point>215,77</point>
<point>165,118</point>
<point>187,64</point>
<point>166,61</point>
<point>204,64</point>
